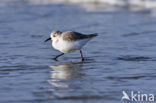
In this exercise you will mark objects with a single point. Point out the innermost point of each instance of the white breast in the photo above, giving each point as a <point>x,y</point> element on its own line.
<point>69,46</point>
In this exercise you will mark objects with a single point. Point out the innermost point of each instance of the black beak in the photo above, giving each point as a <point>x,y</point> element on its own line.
<point>47,39</point>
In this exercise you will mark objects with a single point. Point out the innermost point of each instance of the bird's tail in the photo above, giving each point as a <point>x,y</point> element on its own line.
<point>92,35</point>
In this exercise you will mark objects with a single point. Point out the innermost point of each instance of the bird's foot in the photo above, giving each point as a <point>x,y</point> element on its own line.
<point>82,59</point>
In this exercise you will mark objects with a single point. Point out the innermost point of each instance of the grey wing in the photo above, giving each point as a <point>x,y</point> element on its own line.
<point>83,36</point>
<point>70,36</point>
<point>79,35</point>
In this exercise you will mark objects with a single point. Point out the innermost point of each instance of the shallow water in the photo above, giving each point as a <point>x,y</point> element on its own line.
<point>122,57</point>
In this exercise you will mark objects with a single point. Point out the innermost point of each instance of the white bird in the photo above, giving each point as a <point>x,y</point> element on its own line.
<point>68,42</point>
<point>125,96</point>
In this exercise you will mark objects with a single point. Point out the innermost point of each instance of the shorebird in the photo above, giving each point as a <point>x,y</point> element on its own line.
<point>68,42</point>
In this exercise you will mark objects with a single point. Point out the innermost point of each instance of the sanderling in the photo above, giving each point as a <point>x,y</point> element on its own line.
<point>68,42</point>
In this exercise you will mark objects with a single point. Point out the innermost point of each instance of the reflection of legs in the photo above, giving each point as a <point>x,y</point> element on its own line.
<point>58,56</point>
<point>82,58</point>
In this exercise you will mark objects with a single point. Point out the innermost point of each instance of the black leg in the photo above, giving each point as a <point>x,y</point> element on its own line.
<point>58,56</point>
<point>81,55</point>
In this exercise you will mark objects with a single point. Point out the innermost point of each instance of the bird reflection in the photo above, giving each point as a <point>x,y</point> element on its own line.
<point>65,71</point>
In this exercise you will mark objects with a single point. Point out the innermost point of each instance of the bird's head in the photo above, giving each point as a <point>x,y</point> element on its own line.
<point>54,35</point>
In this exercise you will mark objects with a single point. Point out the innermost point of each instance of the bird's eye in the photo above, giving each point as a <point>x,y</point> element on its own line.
<point>54,35</point>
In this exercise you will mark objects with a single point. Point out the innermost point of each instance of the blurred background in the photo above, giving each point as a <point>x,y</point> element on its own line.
<point>122,57</point>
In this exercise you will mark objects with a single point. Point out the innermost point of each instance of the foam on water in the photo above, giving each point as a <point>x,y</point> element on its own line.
<point>141,3</point>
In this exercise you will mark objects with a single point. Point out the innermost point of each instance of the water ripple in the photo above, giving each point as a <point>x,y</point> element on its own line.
<point>136,58</point>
